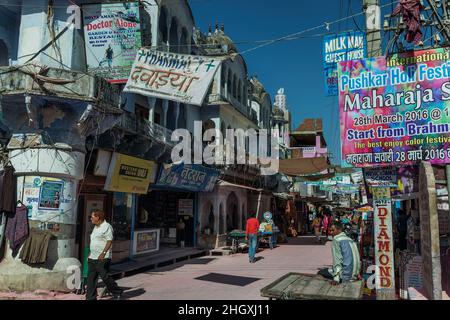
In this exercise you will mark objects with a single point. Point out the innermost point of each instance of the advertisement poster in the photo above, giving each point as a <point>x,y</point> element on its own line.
<point>395,110</point>
<point>49,199</point>
<point>50,195</point>
<point>146,241</point>
<point>338,48</point>
<point>129,174</point>
<point>112,35</point>
<point>176,77</point>
<point>186,207</point>
<point>381,177</point>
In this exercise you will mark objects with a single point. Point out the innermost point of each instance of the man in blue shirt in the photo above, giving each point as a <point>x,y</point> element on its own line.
<point>346,260</point>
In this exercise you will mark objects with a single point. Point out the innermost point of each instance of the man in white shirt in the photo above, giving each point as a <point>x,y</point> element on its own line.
<point>100,257</point>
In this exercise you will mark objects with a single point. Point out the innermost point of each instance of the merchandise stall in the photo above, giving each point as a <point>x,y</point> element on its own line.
<point>367,245</point>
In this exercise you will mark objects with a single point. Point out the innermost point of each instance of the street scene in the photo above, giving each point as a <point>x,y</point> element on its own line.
<point>210,150</point>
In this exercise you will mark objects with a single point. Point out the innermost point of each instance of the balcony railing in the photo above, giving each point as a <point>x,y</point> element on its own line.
<point>159,133</point>
<point>135,125</point>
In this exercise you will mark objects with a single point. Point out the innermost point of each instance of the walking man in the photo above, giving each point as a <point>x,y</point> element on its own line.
<point>346,261</point>
<point>251,235</point>
<point>100,257</point>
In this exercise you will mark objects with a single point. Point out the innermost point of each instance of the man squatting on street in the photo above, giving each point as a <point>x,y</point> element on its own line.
<point>346,261</point>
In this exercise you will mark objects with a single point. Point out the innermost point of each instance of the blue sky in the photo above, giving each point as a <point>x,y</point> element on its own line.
<point>295,65</point>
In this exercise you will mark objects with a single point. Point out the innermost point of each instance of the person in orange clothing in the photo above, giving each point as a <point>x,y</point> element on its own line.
<point>251,235</point>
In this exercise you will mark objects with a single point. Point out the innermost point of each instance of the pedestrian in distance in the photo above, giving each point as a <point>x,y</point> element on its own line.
<point>99,259</point>
<point>251,235</point>
<point>317,226</point>
<point>346,259</point>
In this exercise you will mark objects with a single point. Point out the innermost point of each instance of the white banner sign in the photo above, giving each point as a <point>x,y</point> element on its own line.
<point>176,77</point>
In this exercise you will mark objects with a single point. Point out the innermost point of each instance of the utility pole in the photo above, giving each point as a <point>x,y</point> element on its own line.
<point>382,201</point>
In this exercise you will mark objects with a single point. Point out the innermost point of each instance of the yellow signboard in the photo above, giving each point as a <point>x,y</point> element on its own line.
<point>129,174</point>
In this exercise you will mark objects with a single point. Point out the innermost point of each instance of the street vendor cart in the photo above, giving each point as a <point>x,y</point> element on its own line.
<point>238,241</point>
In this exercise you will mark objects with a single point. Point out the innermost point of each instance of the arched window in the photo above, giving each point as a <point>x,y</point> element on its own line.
<point>4,54</point>
<point>183,42</point>
<point>239,93</point>
<point>229,83</point>
<point>162,26</point>
<point>173,41</point>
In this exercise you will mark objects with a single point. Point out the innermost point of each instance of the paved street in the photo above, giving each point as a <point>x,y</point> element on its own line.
<point>228,277</point>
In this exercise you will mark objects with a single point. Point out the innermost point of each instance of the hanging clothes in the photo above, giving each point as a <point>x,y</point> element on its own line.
<point>35,248</point>
<point>410,10</point>
<point>17,228</point>
<point>7,190</point>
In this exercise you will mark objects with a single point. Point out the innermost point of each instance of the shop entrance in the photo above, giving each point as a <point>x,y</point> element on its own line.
<point>165,210</point>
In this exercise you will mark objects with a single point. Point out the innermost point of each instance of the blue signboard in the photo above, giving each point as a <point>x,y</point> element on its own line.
<point>340,47</point>
<point>194,178</point>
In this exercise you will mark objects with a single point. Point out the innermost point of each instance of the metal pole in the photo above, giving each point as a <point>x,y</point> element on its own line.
<point>447,172</point>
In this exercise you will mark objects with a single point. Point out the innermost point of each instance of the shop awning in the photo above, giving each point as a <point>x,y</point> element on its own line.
<point>223,183</point>
<point>319,177</point>
<point>303,166</point>
<point>284,196</point>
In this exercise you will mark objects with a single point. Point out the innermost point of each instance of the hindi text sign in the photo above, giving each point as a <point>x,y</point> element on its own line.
<point>171,76</point>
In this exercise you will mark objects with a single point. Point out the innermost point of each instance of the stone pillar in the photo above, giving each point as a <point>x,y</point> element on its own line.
<point>177,114</point>
<point>40,174</point>
<point>151,107</point>
<point>165,105</point>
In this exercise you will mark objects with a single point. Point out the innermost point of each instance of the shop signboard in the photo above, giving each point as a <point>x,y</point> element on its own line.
<point>384,247</point>
<point>381,177</point>
<point>146,241</point>
<point>194,178</point>
<point>172,76</point>
<point>395,110</point>
<point>429,233</point>
<point>112,34</point>
<point>337,48</point>
<point>186,207</point>
<point>129,174</point>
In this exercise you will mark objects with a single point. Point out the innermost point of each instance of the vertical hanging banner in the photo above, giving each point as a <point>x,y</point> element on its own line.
<point>338,48</point>
<point>384,247</point>
<point>112,33</point>
<point>172,76</point>
<point>395,110</point>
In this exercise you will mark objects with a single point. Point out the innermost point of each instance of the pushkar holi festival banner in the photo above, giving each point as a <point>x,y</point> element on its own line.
<point>395,110</point>
<point>337,48</point>
<point>112,34</point>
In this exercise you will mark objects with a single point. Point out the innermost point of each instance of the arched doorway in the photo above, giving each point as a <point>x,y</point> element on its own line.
<point>207,217</point>
<point>232,214</point>
<point>244,216</point>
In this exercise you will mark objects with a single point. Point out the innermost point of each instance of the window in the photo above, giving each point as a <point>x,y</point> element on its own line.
<point>157,118</point>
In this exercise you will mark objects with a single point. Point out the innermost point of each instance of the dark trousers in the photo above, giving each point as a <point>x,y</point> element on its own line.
<point>98,268</point>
